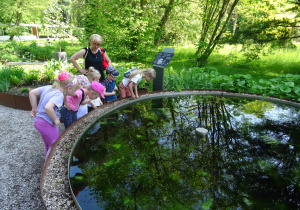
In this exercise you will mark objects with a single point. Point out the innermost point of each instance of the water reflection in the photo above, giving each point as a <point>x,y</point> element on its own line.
<point>147,156</point>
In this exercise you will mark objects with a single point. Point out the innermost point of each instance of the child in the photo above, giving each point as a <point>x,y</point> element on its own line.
<point>92,75</point>
<point>110,84</point>
<point>45,113</point>
<point>69,110</point>
<point>135,77</point>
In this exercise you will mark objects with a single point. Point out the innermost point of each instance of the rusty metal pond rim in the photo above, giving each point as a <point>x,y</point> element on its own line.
<point>54,184</point>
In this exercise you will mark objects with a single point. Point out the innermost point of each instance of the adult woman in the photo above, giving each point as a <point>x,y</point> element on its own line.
<point>93,56</point>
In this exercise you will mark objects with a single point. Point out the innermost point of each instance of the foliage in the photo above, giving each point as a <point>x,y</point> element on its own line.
<point>209,78</point>
<point>32,77</point>
<point>16,75</point>
<point>10,76</point>
<point>262,22</point>
<point>15,30</point>
<point>182,26</point>
<point>21,51</point>
<point>258,108</point>
<point>23,90</point>
<point>4,79</point>
<point>14,12</point>
<point>215,17</point>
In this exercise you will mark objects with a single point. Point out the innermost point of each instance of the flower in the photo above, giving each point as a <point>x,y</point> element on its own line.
<point>63,75</point>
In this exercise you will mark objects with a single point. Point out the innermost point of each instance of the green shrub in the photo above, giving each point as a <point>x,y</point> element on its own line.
<point>16,75</point>
<point>48,76</point>
<point>23,90</point>
<point>4,78</point>
<point>62,45</point>
<point>32,76</point>
<point>43,52</point>
<point>4,85</point>
<point>17,71</point>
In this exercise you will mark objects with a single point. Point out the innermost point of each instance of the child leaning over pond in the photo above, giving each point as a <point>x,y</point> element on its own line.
<point>110,84</point>
<point>92,75</point>
<point>71,103</point>
<point>135,77</point>
<point>45,113</point>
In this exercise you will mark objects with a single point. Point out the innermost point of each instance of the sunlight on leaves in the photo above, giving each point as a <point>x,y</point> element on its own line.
<point>117,146</point>
<point>207,204</point>
<point>270,140</point>
<point>257,108</point>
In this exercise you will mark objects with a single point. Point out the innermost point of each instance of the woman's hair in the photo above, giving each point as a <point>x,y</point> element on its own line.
<point>65,79</point>
<point>97,38</point>
<point>93,74</point>
<point>151,72</point>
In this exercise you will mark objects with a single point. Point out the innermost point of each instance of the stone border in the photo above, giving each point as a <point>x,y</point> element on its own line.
<point>54,184</point>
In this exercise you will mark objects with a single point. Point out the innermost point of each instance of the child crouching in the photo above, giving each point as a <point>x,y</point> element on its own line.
<point>135,77</point>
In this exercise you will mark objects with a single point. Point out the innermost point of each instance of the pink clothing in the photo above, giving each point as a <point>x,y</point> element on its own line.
<point>74,101</point>
<point>124,91</point>
<point>48,132</point>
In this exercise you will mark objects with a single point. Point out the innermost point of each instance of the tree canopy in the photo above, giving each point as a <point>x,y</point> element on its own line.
<point>132,28</point>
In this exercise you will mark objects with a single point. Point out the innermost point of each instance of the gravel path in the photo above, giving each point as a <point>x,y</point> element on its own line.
<point>21,161</point>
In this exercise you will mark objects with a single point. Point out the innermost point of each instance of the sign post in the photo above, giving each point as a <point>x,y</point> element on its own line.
<point>162,59</point>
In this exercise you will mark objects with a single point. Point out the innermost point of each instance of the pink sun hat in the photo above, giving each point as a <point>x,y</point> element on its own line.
<point>98,87</point>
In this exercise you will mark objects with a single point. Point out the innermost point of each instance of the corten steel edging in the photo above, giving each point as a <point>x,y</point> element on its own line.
<point>23,103</point>
<point>15,101</point>
<point>80,126</point>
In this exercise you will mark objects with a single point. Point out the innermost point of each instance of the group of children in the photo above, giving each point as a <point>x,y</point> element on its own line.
<point>71,97</point>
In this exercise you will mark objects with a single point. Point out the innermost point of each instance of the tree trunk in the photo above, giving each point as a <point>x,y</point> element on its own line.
<point>163,22</point>
<point>18,21</point>
<point>213,27</point>
<point>235,24</point>
<point>135,41</point>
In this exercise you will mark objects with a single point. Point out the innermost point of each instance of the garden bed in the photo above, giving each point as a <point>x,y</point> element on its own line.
<point>17,97</point>
<point>15,101</point>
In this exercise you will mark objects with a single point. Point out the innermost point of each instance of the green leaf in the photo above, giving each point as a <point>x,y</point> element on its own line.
<point>291,84</point>
<point>117,146</point>
<point>296,90</point>
<point>207,204</point>
<point>285,88</point>
<point>109,163</point>
<point>241,83</point>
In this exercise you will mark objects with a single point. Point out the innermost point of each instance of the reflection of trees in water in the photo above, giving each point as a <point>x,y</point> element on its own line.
<point>155,160</point>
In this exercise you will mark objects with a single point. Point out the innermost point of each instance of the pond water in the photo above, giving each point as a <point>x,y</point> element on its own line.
<point>147,156</point>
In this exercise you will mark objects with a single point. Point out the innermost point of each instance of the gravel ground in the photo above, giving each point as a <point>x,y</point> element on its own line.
<point>21,161</point>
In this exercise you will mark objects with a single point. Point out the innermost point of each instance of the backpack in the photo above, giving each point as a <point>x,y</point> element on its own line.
<point>82,98</point>
<point>128,73</point>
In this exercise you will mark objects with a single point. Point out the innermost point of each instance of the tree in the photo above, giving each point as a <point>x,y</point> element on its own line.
<point>128,26</point>
<point>14,12</point>
<point>215,16</point>
<point>163,21</point>
<point>264,24</point>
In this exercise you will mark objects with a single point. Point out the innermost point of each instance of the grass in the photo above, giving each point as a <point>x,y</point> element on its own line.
<point>228,60</point>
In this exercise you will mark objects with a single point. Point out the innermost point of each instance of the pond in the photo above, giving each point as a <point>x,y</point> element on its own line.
<point>147,156</point>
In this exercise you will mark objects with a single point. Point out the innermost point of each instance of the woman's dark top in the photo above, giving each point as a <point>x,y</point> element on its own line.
<point>96,61</point>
